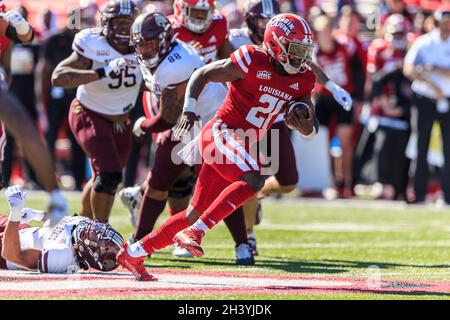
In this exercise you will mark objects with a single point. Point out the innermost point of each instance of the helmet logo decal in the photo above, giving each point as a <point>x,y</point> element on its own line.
<point>282,23</point>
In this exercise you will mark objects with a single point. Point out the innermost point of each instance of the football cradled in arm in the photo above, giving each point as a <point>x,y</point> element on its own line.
<point>300,116</point>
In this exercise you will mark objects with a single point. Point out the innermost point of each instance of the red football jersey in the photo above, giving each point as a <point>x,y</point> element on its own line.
<point>256,101</point>
<point>381,57</point>
<point>336,65</point>
<point>4,42</point>
<point>211,40</point>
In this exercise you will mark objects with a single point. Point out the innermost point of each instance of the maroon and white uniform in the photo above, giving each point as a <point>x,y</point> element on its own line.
<point>211,40</point>
<point>252,103</point>
<point>107,144</point>
<point>177,67</point>
<point>55,244</point>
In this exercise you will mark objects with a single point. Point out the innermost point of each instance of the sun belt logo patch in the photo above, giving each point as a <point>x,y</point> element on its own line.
<point>264,75</point>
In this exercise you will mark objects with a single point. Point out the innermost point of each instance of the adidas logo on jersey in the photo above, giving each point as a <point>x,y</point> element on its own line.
<point>264,75</point>
<point>213,39</point>
<point>294,86</point>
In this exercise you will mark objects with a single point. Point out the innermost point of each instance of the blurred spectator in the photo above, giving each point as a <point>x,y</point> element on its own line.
<point>428,65</point>
<point>23,64</point>
<point>48,21</point>
<point>392,98</point>
<point>335,59</point>
<point>349,33</point>
<point>55,49</point>
<point>165,7</point>
<point>396,6</point>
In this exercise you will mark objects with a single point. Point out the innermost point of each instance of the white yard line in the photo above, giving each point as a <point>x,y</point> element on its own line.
<point>350,245</point>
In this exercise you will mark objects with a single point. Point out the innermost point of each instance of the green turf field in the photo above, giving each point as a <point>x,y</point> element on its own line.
<point>334,240</point>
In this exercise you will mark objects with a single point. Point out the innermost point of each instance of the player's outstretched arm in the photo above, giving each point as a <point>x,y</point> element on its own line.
<point>11,250</point>
<point>339,94</point>
<point>219,71</point>
<point>73,72</point>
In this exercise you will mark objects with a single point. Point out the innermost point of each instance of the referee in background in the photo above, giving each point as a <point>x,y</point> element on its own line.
<point>427,64</point>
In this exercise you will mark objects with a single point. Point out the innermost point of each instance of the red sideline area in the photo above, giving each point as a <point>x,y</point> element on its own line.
<point>22,284</point>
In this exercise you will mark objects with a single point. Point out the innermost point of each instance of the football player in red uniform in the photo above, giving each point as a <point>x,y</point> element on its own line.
<point>19,124</point>
<point>257,13</point>
<point>199,24</point>
<point>263,82</point>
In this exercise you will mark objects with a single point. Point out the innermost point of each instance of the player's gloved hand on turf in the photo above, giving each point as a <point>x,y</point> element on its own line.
<point>115,67</point>
<point>187,122</point>
<point>340,95</point>
<point>16,20</point>
<point>16,197</point>
<point>57,207</point>
<point>137,127</point>
<point>30,215</point>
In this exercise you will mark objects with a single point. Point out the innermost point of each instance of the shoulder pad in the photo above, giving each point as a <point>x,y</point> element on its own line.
<point>178,66</point>
<point>85,42</point>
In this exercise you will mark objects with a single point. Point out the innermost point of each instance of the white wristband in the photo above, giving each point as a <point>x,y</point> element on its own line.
<point>189,105</point>
<point>15,214</point>
<point>330,85</point>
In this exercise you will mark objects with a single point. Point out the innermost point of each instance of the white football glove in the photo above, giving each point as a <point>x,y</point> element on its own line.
<point>30,215</point>
<point>340,95</point>
<point>137,130</point>
<point>115,67</point>
<point>16,199</point>
<point>57,207</point>
<point>17,21</point>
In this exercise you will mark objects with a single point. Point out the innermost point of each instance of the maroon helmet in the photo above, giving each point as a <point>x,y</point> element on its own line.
<point>257,14</point>
<point>96,245</point>
<point>118,31</point>
<point>152,37</point>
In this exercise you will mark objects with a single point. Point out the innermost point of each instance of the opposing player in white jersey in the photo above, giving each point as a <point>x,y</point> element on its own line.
<point>257,13</point>
<point>74,243</point>
<point>106,72</point>
<point>166,64</point>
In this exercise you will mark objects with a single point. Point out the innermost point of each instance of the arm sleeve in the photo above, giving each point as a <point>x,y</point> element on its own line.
<point>156,124</point>
<point>84,45</point>
<point>241,58</point>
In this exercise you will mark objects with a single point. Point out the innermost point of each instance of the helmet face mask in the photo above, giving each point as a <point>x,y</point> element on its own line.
<point>195,15</point>
<point>151,36</point>
<point>119,32</point>
<point>116,17</point>
<point>96,245</point>
<point>148,52</point>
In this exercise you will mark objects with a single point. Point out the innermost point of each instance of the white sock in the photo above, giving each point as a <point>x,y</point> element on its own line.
<point>136,250</point>
<point>199,225</point>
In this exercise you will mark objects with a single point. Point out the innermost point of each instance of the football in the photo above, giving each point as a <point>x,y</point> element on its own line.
<point>296,108</point>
